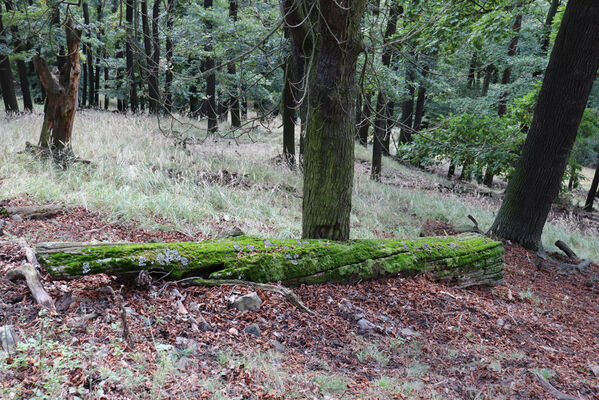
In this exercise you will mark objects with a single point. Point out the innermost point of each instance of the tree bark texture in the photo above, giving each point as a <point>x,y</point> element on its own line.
<point>465,260</point>
<point>566,86</point>
<point>170,17</point>
<point>152,67</point>
<point>231,70</point>
<point>21,66</point>
<point>61,87</point>
<point>329,147</point>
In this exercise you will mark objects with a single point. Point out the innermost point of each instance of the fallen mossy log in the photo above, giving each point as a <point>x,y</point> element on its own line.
<point>465,260</point>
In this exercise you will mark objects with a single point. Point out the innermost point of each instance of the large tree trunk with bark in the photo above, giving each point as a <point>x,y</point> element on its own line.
<point>61,87</point>
<point>465,260</point>
<point>152,67</point>
<point>566,86</point>
<point>329,151</point>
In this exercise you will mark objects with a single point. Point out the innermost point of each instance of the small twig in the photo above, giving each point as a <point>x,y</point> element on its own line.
<point>123,313</point>
<point>283,291</point>
<point>558,395</point>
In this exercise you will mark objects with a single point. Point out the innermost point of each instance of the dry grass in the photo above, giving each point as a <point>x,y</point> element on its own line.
<point>137,173</point>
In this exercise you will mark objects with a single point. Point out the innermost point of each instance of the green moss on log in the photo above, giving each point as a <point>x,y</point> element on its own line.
<point>456,259</point>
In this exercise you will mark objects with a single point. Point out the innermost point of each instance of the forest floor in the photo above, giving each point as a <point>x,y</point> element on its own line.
<point>434,342</point>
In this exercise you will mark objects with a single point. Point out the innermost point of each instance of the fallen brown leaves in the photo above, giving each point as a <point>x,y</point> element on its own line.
<point>453,343</point>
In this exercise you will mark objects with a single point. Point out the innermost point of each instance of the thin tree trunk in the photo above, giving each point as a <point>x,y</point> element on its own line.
<point>152,71</point>
<point>170,5</point>
<point>566,86</point>
<point>234,96</point>
<point>487,80</point>
<point>21,66</point>
<point>507,72</point>
<point>548,25</point>
<point>61,90</point>
<point>588,205</point>
<point>419,113</point>
<point>131,82</point>
<point>6,79</point>
<point>288,115</point>
<point>211,109</point>
<point>379,132</point>
<point>156,54</point>
<point>382,125</point>
<point>365,122</point>
<point>407,110</point>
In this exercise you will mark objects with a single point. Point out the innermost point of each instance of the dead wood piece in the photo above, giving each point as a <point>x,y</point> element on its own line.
<point>123,313</point>
<point>558,395</point>
<point>283,291</point>
<point>32,212</point>
<point>29,273</point>
<point>475,228</point>
<point>566,249</point>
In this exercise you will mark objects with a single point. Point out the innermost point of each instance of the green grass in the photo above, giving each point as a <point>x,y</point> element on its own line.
<point>138,173</point>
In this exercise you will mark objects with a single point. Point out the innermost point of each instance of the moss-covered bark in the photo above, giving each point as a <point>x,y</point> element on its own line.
<point>466,259</point>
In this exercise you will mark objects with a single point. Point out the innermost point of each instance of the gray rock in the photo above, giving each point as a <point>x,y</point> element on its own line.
<point>253,329</point>
<point>408,332</point>
<point>8,338</point>
<point>595,369</point>
<point>183,363</point>
<point>189,346</point>
<point>17,218</point>
<point>366,326</point>
<point>278,346</point>
<point>500,322</point>
<point>249,302</point>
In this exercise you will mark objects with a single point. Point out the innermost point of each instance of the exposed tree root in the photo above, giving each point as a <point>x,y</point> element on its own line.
<point>566,249</point>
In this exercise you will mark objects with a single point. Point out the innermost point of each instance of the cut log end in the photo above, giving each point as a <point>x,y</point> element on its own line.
<point>464,260</point>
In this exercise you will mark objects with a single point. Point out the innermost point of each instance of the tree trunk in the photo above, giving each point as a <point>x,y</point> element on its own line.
<point>61,89</point>
<point>170,5</point>
<point>234,96</point>
<point>380,123</point>
<point>419,113</point>
<point>588,205</point>
<point>384,111</point>
<point>152,70</point>
<point>407,109</point>
<point>288,116</point>
<point>91,92</point>
<point>6,79</point>
<point>155,88</point>
<point>211,110</point>
<point>487,80</point>
<point>507,72</point>
<point>329,147</point>
<point>548,25</point>
<point>21,66</point>
<point>365,122</point>
<point>566,86</point>
<point>132,84</point>
<point>465,260</point>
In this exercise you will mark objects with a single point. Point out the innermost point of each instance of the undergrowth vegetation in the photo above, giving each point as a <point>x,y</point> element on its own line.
<point>138,173</point>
